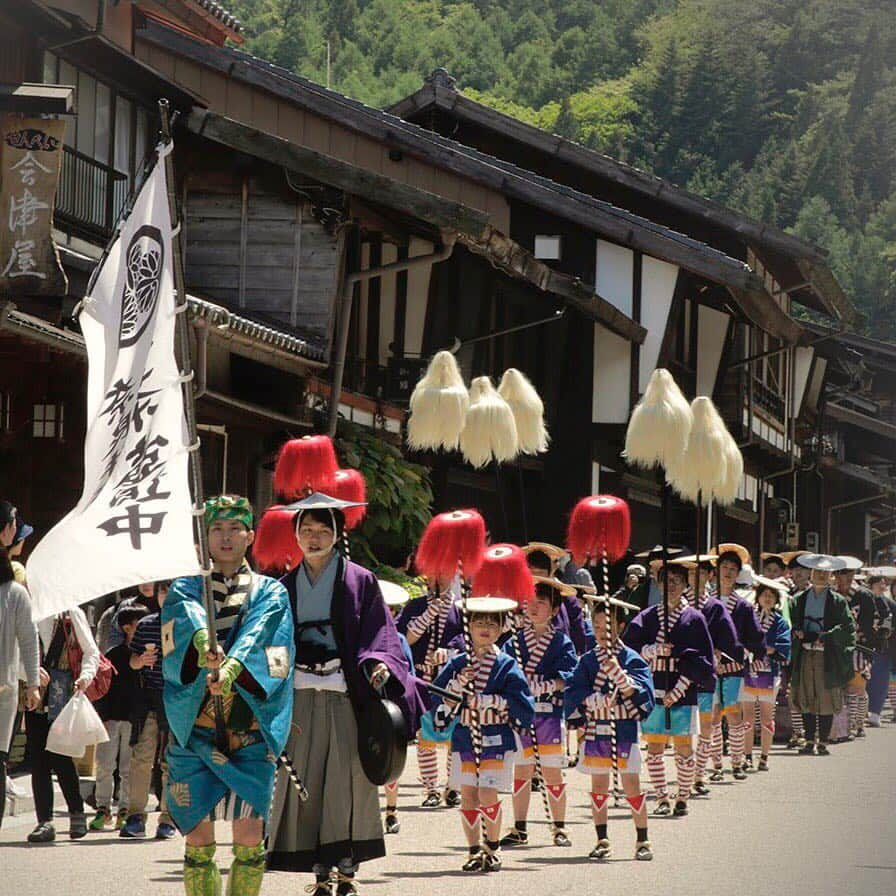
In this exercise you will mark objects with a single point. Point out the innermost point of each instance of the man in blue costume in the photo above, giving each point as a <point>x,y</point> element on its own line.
<point>208,781</point>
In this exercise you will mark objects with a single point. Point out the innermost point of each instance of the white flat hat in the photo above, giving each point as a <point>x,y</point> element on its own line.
<point>487,604</point>
<point>820,561</point>
<point>393,594</point>
<point>851,564</point>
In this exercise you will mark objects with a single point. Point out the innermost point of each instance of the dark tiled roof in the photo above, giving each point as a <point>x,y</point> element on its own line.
<point>218,11</point>
<point>239,64</point>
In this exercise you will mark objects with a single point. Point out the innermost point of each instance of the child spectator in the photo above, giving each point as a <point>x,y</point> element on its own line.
<point>115,710</point>
<point>149,726</point>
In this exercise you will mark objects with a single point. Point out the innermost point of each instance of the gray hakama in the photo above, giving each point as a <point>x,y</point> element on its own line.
<point>812,695</point>
<point>341,818</point>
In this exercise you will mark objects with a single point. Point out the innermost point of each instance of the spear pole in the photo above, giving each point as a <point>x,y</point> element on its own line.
<point>185,365</point>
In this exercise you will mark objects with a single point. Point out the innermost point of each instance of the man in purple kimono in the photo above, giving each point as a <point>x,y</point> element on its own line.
<point>347,652</point>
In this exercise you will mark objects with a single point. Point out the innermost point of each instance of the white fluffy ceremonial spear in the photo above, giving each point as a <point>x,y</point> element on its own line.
<point>710,468</point>
<point>528,411</point>
<point>438,406</point>
<point>657,435</point>
<point>660,424</point>
<point>490,429</point>
<point>701,470</point>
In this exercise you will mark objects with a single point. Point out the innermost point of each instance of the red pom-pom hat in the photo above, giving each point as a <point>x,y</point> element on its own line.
<point>452,540</point>
<point>305,465</point>
<point>599,526</point>
<point>504,573</point>
<point>276,549</point>
<point>349,485</point>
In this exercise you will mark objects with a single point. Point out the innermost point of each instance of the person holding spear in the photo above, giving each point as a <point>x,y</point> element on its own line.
<point>679,650</point>
<point>610,692</point>
<point>547,658</point>
<point>241,689</point>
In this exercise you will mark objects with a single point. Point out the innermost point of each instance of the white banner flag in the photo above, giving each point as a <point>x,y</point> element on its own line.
<point>133,523</point>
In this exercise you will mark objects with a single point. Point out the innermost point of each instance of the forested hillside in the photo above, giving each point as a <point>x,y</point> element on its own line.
<point>785,109</point>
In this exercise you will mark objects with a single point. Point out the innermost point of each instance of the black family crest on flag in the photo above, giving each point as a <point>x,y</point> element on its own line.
<point>144,259</point>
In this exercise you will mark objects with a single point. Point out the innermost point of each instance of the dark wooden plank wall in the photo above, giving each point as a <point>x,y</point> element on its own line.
<point>249,247</point>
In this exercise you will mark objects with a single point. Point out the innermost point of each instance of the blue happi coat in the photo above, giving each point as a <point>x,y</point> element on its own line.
<point>582,683</point>
<point>557,662</point>
<point>507,680</point>
<point>261,639</point>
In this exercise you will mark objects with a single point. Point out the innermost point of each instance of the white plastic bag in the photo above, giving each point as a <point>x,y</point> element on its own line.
<point>76,728</point>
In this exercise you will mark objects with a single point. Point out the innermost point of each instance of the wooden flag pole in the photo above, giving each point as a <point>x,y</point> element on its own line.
<point>185,365</point>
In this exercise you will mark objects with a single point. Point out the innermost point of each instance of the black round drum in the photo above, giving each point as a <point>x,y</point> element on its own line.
<point>382,740</point>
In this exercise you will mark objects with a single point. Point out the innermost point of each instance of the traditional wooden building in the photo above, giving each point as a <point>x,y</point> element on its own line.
<point>331,248</point>
<point>847,483</point>
<point>714,290</point>
<point>311,246</point>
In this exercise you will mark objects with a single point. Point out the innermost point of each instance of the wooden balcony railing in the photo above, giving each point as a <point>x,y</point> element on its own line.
<point>90,196</point>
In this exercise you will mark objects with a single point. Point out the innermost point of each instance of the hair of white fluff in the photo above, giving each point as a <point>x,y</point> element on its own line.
<point>660,424</point>
<point>438,406</point>
<point>528,411</point>
<point>702,469</point>
<point>734,472</point>
<point>490,430</point>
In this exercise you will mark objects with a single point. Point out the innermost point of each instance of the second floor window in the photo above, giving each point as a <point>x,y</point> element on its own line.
<point>109,127</point>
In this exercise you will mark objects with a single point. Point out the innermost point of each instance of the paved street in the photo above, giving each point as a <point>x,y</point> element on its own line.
<point>809,826</point>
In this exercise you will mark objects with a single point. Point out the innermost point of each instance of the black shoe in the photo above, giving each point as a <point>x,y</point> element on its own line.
<point>77,826</point>
<point>515,837</point>
<point>643,852</point>
<point>700,789</point>
<point>491,861</point>
<point>793,743</point>
<point>823,750</point>
<point>392,825</point>
<point>681,809</point>
<point>663,807</point>
<point>473,863</point>
<point>808,750</point>
<point>602,851</point>
<point>717,775</point>
<point>763,764</point>
<point>452,799</point>
<point>346,885</point>
<point>43,833</point>
<point>739,774</point>
<point>432,800</point>
<point>748,763</point>
<point>860,732</point>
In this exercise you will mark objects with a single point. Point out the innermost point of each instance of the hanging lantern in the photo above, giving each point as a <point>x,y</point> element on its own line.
<point>305,465</point>
<point>504,573</point>
<point>276,549</point>
<point>658,431</point>
<point>528,411</point>
<point>600,526</point>
<point>450,542</point>
<point>490,430</point>
<point>438,406</point>
<point>702,469</point>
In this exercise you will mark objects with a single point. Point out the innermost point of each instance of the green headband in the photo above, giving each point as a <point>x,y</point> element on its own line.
<point>228,507</point>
